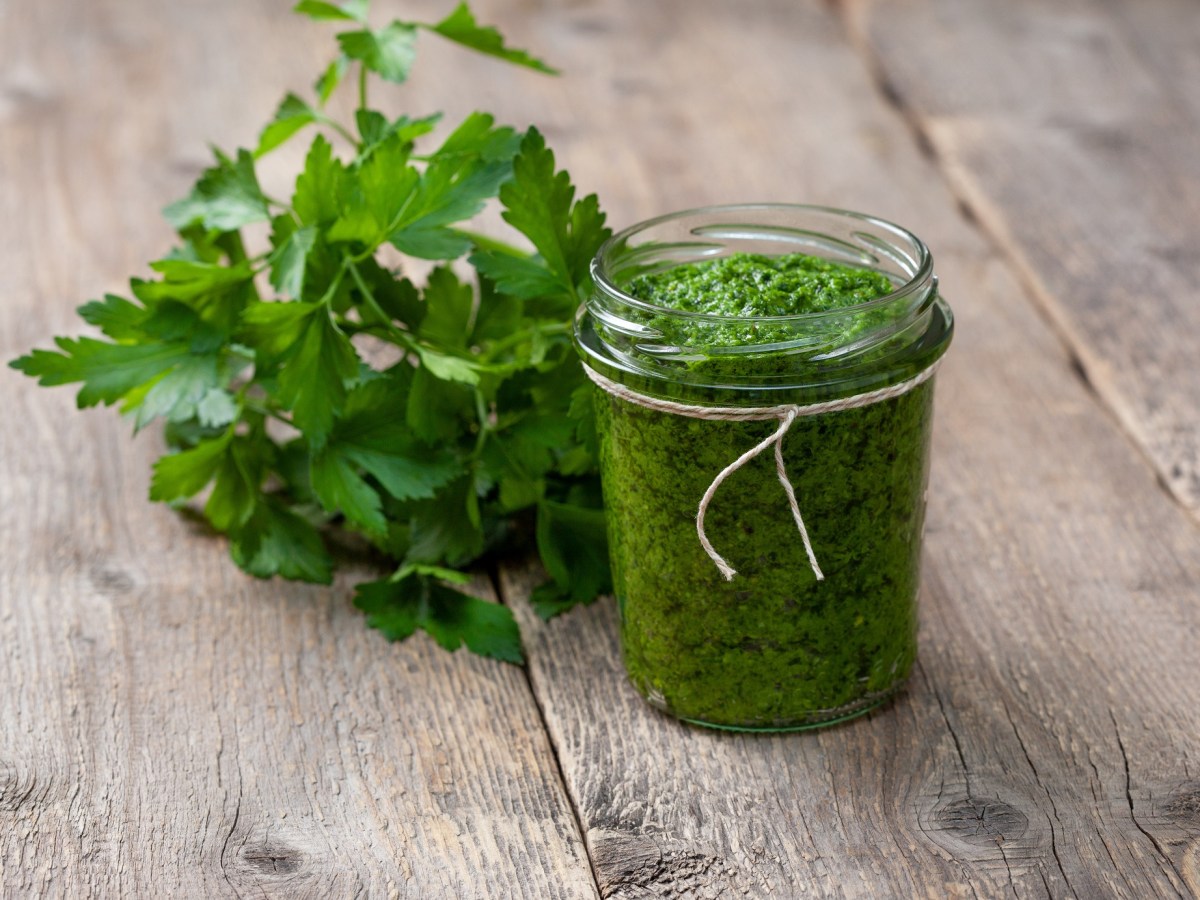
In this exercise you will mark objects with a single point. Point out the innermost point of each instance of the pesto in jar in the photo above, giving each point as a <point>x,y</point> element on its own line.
<point>753,285</point>
<point>774,647</point>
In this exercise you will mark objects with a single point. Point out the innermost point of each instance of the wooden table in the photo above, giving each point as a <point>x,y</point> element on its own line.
<point>172,728</point>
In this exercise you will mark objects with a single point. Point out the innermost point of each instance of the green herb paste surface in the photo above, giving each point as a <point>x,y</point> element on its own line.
<point>773,648</point>
<point>751,284</point>
<point>749,293</point>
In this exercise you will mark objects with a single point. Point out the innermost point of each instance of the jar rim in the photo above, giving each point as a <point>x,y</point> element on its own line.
<point>919,278</point>
<point>705,358</point>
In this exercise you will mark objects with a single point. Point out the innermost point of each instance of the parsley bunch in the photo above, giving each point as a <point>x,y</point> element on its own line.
<point>477,421</point>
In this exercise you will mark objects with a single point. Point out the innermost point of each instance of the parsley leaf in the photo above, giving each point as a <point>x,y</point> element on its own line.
<point>226,197</point>
<point>315,360</point>
<point>313,382</point>
<point>185,474</point>
<point>290,256</point>
<point>438,408</point>
<point>448,366</point>
<point>108,371</point>
<point>277,541</point>
<point>216,408</point>
<point>212,293</point>
<point>573,545</point>
<point>234,496</point>
<point>292,115</point>
<point>329,80</point>
<point>538,202</point>
<point>274,329</point>
<point>389,52</point>
<point>450,617</point>
<point>115,316</point>
<point>377,191</point>
<point>320,188</point>
<point>462,175</point>
<point>448,307</point>
<point>352,10</point>
<point>444,530</point>
<point>374,128</point>
<point>177,395</point>
<point>371,439</point>
<point>460,26</point>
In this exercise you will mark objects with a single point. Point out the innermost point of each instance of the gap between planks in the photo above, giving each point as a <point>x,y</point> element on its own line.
<point>497,583</point>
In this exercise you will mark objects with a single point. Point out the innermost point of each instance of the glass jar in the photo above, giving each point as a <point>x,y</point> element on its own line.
<point>801,635</point>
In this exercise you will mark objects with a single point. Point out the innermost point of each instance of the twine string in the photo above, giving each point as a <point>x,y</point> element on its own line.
<point>777,439</point>
<point>786,414</point>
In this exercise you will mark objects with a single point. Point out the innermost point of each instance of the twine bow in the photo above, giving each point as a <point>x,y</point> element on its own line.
<point>786,414</point>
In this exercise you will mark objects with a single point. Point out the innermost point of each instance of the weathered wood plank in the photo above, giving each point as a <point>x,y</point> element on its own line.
<point>168,726</point>
<point>1046,746</point>
<point>1072,130</point>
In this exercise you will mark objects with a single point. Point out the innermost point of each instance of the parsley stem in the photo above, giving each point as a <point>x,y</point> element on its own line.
<point>517,466</point>
<point>484,427</point>
<point>262,409</point>
<point>517,337</point>
<point>394,336</point>
<point>485,242</point>
<point>270,413</point>
<point>338,127</point>
<point>334,284</point>
<point>391,332</point>
<point>362,86</point>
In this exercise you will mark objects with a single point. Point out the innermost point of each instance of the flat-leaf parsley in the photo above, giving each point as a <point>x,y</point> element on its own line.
<point>478,425</point>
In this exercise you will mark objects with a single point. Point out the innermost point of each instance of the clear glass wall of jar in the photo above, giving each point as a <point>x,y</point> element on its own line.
<point>775,647</point>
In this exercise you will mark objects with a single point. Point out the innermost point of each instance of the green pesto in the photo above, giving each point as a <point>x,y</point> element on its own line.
<point>773,648</point>
<point>755,285</point>
<point>749,293</point>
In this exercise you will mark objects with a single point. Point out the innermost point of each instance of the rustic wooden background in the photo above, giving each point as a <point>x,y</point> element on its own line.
<point>172,728</point>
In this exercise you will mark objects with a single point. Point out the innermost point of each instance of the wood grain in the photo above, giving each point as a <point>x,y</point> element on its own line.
<point>1072,130</point>
<point>168,726</point>
<point>1046,746</point>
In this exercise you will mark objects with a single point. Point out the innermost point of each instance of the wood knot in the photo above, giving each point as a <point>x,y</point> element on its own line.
<point>981,822</point>
<point>1181,806</point>
<point>26,95</point>
<point>10,787</point>
<point>980,829</point>
<point>270,859</point>
<point>110,581</point>
<point>643,865</point>
<point>24,786</point>
<point>20,789</point>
